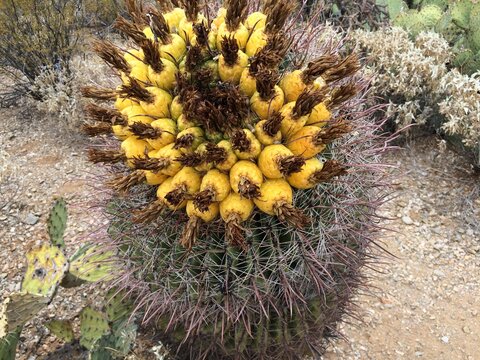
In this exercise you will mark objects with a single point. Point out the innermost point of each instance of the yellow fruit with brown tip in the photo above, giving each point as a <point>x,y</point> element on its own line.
<point>166,79</point>
<point>241,35</point>
<point>233,73</point>
<point>274,193</point>
<point>264,108</point>
<point>152,178</point>
<point>167,129</point>
<point>248,84</point>
<point>302,179</point>
<point>320,116</point>
<point>160,104</point>
<point>257,41</point>
<point>303,142</point>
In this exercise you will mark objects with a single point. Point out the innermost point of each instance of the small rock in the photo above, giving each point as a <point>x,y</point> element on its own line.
<point>407,220</point>
<point>445,339</point>
<point>31,219</point>
<point>438,273</point>
<point>466,330</point>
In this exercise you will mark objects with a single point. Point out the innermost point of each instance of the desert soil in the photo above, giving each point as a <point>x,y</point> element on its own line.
<point>425,303</point>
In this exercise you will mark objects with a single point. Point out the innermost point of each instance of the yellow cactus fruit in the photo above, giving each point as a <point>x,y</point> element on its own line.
<point>268,131</point>
<point>152,178</point>
<point>240,35</point>
<point>134,55</point>
<point>159,133</point>
<point>277,161</point>
<point>215,187</point>
<point>303,178</point>
<point>176,108</point>
<point>266,106</point>
<point>186,28</point>
<point>256,20</point>
<point>232,26</point>
<point>276,199</point>
<point>210,214</point>
<point>248,83</point>
<point>311,140</point>
<point>123,103</point>
<point>220,19</point>
<point>257,41</point>
<point>188,140</point>
<point>139,71</point>
<point>189,235</point>
<point>166,161</point>
<point>162,192</point>
<point>198,159</point>
<point>235,210</point>
<point>158,104</point>
<point>173,18</point>
<point>245,145</point>
<point>163,75</point>
<point>269,97</point>
<point>320,115</point>
<point>183,123</point>
<point>295,114</point>
<point>134,148</point>
<point>222,155</point>
<point>246,179</point>
<point>232,61</point>
<point>268,25</point>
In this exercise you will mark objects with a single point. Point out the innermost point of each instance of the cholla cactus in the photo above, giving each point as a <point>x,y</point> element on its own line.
<point>239,241</point>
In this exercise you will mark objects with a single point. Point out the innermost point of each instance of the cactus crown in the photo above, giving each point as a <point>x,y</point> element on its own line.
<point>228,210</point>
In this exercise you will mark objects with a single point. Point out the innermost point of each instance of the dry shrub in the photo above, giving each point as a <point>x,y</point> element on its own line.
<point>35,35</point>
<point>414,78</point>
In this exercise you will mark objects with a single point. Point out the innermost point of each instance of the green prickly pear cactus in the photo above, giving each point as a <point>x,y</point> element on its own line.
<point>461,13</point>
<point>93,326</point>
<point>106,335</point>
<point>47,266</point>
<point>57,223</point>
<point>92,264</point>
<point>457,21</point>
<point>118,305</point>
<point>117,344</point>
<point>8,345</point>
<point>62,329</point>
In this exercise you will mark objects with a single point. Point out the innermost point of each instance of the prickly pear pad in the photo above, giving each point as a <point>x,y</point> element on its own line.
<point>46,266</point>
<point>93,325</point>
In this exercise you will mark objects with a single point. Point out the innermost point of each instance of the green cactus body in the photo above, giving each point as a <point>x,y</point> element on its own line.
<point>57,223</point>
<point>62,329</point>
<point>93,325</point>
<point>92,264</point>
<point>46,266</point>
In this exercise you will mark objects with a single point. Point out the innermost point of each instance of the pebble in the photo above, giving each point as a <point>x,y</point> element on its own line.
<point>31,219</point>
<point>445,339</point>
<point>407,220</point>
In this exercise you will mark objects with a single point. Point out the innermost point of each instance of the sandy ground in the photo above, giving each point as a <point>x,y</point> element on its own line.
<point>426,303</point>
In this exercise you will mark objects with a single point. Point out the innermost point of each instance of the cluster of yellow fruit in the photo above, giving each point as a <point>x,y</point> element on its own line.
<point>204,115</point>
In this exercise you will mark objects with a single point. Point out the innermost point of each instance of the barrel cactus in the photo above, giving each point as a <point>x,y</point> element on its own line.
<point>245,183</point>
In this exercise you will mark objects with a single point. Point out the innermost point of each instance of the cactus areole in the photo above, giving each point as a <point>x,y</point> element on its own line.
<point>242,209</point>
